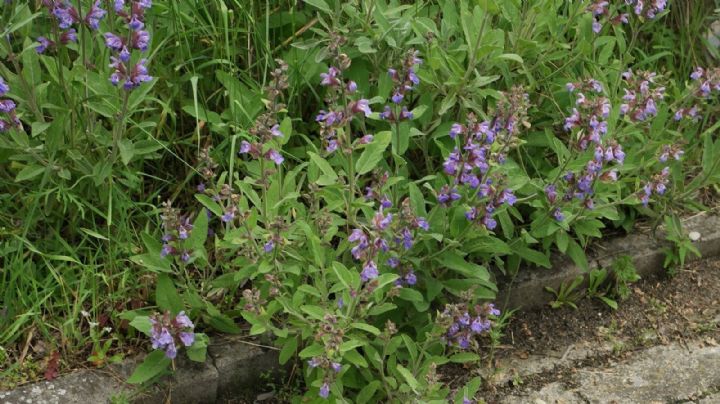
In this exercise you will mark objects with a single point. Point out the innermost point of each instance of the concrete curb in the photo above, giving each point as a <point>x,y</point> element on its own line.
<point>233,368</point>
<point>528,289</point>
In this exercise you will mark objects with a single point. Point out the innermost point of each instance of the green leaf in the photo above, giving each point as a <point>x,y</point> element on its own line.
<point>313,350</point>
<point>355,358</point>
<point>344,275</point>
<point>220,321</point>
<point>576,253</point>
<point>368,392</point>
<point>329,176</point>
<point>373,153</point>
<point>351,344</point>
<point>152,366</point>
<point>29,172</point>
<point>454,261</point>
<point>530,255</point>
<point>199,232</point>
<point>511,56</point>
<point>367,327</point>
<point>320,4</point>
<point>288,349</point>
<point>408,376</point>
<point>197,352</point>
<point>166,295</point>
<point>211,205</point>
<point>142,324</point>
<point>152,262</point>
<point>464,357</point>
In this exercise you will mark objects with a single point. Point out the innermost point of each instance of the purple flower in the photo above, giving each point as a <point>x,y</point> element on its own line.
<point>68,36</point>
<point>187,338</point>
<point>201,187</point>
<point>113,41</point>
<point>363,106</point>
<point>381,222</point>
<point>160,338</point>
<point>387,113</point>
<point>393,262</point>
<point>118,5</point>
<point>135,24</point>
<point>93,17</point>
<point>64,16</point>
<point>407,239</point>
<point>275,131</point>
<point>313,363</point>
<point>455,130</point>
<point>507,196</point>
<point>479,325</point>
<point>7,106</point>
<point>697,74</point>
<point>351,87</point>
<point>275,156</point>
<point>405,114</point>
<point>244,147</point>
<point>269,246</point>
<point>422,223</point>
<point>369,271</point>
<point>140,40</point>
<point>413,77</point>
<point>551,193</point>
<point>183,320</point>
<point>558,215</point>
<point>44,44</point>
<point>325,390</point>
<point>596,26</point>
<point>185,256</point>
<point>336,367</point>
<point>171,350</point>
<point>385,202</point>
<point>448,195</point>
<point>410,278</point>
<point>144,3</point>
<point>330,78</point>
<point>331,146</point>
<point>357,235</point>
<point>167,249</point>
<point>228,216</point>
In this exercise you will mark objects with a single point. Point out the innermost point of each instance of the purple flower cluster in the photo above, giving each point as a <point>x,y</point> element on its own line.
<point>647,8</point>
<point>176,229</point>
<point>462,324</point>
<point>658,185</point>
<point>581,186</point>
<point>339,114</point>
<point>326,364</point>
<point>66,14</point>
<point>405,80</point>
<point>388,237</point>
<point>589,114</point>
<point>7,106</point>
<point>132,75</point>
<point>601,9</point>
<point>709,80</point>
<point>641,95</point>
<point>482,145</point>
<point>266,129</point>
<point>706,81</point>
<point>167,332</point>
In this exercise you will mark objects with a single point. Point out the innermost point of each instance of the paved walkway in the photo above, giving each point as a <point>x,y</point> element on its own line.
<point>663,374</point>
